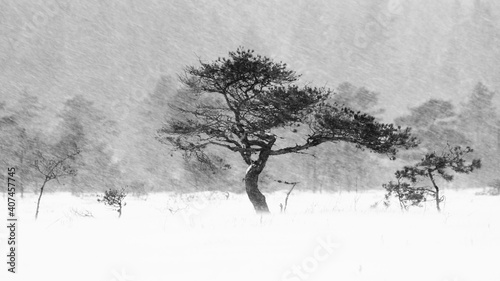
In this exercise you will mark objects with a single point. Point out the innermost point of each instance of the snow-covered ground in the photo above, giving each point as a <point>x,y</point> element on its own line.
<point>206,236</point>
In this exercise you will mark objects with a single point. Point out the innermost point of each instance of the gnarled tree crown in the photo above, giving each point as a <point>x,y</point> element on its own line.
<point>241,101</point>
<point>452,159</point>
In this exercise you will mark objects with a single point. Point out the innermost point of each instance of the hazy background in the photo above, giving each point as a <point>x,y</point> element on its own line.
<point>100,74</point>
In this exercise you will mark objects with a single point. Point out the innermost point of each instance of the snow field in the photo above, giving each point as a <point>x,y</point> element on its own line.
<point>206,236</point>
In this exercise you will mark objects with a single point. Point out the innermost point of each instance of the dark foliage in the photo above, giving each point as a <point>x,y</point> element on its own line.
<point>114,198</point>
<point>240,102</point>
<point>407,188</point>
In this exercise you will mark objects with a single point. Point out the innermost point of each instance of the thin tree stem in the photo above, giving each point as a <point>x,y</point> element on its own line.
<point>40,197</point>
<point>429,172</point>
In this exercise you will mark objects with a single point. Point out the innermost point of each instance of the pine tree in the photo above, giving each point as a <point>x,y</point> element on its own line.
<point>245,103</point>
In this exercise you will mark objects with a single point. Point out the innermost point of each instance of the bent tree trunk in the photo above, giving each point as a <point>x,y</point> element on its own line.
<point>252,188</point>
<point>436,194</point>
<point>120,210</point>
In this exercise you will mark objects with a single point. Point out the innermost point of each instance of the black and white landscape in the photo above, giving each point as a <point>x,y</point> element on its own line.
<point>250,140</point>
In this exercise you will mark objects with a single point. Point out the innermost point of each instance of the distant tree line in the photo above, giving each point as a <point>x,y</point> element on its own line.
<point>27,133</point>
